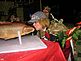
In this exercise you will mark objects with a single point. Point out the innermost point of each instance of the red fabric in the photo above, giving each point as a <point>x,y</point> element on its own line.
<point>53,52</point>
<point>67,49</point>
<point>69,32</point>
<point>78,23</point>
<point>47,35</point>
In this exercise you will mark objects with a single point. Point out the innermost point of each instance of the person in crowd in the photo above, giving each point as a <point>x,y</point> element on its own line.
<point>13,18</point>
<point>46,11</point>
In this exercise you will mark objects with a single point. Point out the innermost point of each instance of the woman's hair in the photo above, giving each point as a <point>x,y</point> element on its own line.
<point>44,22</point>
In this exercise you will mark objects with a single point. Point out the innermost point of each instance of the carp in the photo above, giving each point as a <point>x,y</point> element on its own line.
<point>9,30</point>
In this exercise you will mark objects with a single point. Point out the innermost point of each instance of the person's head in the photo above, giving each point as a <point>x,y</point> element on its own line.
<point>41,24</point>
<point>39,20</point>
<point>46,9</point>
<point>12,18</point>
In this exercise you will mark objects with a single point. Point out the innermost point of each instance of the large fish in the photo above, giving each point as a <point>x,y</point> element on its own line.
<point>9,30</point>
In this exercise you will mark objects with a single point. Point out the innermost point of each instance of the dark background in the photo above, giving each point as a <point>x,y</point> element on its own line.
<point>69,10</point>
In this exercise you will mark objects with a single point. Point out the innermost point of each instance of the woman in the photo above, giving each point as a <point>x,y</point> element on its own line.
<point>41,24</point>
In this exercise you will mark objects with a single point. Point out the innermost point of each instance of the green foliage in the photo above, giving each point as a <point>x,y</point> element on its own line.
<point>61,36</point>
<point>76,35</point>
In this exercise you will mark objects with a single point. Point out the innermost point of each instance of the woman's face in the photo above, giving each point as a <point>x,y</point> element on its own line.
<point>37,26</point>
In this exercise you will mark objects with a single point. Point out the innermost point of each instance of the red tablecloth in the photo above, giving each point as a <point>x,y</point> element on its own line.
<point>53,52</point>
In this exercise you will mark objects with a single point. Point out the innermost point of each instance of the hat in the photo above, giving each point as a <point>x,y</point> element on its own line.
<point>36,16</point>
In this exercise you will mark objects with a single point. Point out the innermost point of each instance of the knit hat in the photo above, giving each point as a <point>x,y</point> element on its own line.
<point>36,16</point>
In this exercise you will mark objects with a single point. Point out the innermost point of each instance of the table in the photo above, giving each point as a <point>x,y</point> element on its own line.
<point>53,52</point>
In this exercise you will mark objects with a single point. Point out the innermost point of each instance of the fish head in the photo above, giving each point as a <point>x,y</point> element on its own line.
<point>27,30</point>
